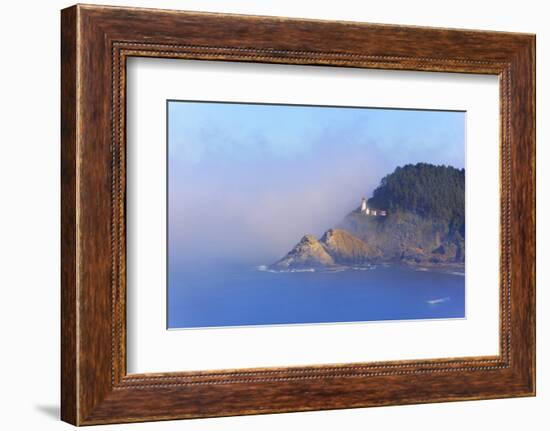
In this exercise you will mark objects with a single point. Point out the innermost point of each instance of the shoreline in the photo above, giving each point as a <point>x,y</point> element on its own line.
<point>453,268</point>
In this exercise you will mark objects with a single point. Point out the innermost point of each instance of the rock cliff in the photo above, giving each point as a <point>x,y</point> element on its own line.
<point>308,253</point>
<point>335,248</point>
<point>423,223</point>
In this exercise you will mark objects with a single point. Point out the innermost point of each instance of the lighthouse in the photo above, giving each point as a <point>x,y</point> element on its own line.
<point>365,210</point>
<point>364,207</point>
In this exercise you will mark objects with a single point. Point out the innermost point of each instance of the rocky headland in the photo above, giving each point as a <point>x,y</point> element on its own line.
<point>335,248</point>
<point>415,217</point>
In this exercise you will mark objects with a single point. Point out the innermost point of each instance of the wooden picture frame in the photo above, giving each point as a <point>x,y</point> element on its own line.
<point>95,43</point>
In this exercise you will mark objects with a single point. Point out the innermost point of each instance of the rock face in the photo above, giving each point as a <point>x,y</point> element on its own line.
<point>347,249</point>
<point>408,238</point>
<point>308,253</point>
<point>336,248</point>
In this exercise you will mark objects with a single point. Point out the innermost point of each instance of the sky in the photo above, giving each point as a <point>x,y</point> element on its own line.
<point>247,181</point>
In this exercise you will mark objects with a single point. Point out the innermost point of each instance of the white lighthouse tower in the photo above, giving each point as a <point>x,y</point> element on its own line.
<point>364,207</point>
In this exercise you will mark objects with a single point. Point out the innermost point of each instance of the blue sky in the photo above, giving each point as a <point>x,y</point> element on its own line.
<point>247,181</point>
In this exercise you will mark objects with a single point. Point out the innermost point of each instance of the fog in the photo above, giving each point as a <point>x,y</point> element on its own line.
<point>247,192</point>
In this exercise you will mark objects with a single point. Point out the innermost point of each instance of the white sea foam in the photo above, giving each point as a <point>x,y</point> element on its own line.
<point>363,268</point>
<point>438,300</point>
<point>265,268</point>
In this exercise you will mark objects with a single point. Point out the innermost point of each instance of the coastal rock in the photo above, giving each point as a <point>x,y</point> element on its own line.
<point>347,249</point>
<point>336,248</point>
<point>406,237</point>
<point>308,253</point>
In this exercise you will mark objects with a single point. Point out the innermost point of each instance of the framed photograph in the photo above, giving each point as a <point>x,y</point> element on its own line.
<point>265,214</point>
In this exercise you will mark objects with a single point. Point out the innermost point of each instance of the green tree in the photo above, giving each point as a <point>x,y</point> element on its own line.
<point>435,192</point>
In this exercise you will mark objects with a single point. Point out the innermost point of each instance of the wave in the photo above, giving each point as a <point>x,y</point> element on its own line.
<point>363,268</point>
<point>328,270</point>
<point>439,270</point>
<point>265,268</point>
<point>300,270</point>
<point>438,300</point>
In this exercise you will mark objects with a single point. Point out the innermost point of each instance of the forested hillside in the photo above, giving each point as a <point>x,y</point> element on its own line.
<point>436,192</point>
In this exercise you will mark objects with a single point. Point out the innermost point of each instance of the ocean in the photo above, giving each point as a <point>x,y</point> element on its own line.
<point>226,296</point>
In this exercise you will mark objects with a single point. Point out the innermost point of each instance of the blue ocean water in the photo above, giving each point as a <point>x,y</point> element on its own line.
<point>241,296</point>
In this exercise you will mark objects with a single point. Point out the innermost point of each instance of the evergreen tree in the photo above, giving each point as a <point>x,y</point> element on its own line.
<point>435,192</point>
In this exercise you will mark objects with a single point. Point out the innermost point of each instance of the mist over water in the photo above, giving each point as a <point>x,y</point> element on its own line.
<point>246,182</point>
